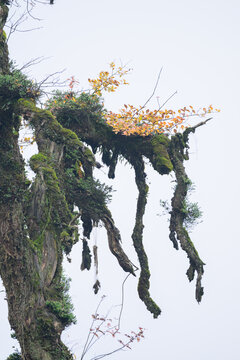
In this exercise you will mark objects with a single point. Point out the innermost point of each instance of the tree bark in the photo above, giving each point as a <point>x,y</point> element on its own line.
<point>30,258</point>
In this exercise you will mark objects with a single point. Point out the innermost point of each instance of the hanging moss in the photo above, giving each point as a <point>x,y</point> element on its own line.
<point>96,286</point>
<point>160,158</point>
<point>158,149</point>
<point>137,236</point>
<point>86,256</point>
<point>114,243</point>
<point>178,213</point>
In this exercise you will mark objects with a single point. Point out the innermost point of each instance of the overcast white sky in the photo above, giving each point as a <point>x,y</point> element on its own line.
<point>197,43</point>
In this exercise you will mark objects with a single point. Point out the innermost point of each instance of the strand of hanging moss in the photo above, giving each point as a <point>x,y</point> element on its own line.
<point>178,213</point>
<point>137,236</point>
<point>114,243</point>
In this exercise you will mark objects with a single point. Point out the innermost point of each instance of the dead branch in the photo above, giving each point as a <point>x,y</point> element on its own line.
<point>151,96</point>
<point>166,101</point>
<point>45,83</point>
<point>32,62</point>
<point>201,123</point>
<point>122,302</point>
<point>13,25</point>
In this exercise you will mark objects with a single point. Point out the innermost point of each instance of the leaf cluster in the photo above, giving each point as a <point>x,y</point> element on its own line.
<point>133,120</point>
<point>130,120</point>
<point>109,81</point>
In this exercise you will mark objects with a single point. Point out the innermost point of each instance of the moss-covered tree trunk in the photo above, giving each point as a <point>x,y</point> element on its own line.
<point>39,218</point>
<point>30,249</point>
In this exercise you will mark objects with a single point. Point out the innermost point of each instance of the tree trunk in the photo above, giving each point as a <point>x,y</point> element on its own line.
<point>30,247</point>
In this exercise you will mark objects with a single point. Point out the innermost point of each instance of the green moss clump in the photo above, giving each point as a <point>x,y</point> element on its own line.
<point>14,86</point>
<point>4,36</point>
<point>60,213</point>
<point>60,304</point>
<point>55,215</point>
<point>64,234</point>
<point>160,158</point>
<point>45,325</point>
<point>89,155</point>
<point>12,175</point>
<point>92,197</point>
<point>86,256</point>
<point>37,160</point>
<point>15,356</point>
<point>68,239</point>
<point>63,310</point>
<point>70,107</point>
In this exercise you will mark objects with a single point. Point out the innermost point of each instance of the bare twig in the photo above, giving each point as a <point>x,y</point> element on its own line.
<point>30,5</point>
<point>165,102</point>
<point>121,309</point>
<point>126,345</point>
<point>87,342</point>
<point>154,90</point>
<point>54,82</point>
<point>150,97</point>
<point>32,62</point>
<point>29,10</point>
<point>94,339</point>
<point>13,26</point>
<point>94,336</point>
<point>47,83</point>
